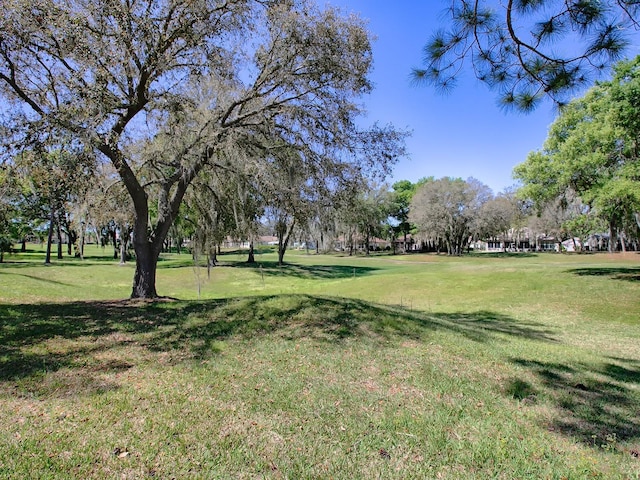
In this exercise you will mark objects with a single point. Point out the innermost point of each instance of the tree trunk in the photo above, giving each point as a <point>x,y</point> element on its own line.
<point>59,236</point>
<point>47,258</point>
<point>613,239</point>
<point>123,250</point>
<point>251,258</point>
<point>148,244</point>
<point>284,234</point>
<point>23,247</point>
<point>115,244</point>
<point>69,244</point>
<point>144,278</point>
<point>81,245</point>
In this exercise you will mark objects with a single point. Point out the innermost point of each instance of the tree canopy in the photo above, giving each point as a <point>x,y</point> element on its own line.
<point>592,151</point>
<point>447,209</point>
<point>529,50</point>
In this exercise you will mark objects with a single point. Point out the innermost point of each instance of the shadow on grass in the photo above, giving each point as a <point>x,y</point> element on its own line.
<point>258,250</point>
<point>630,274</point>
<point>67,261</point>
<point>41,338</point>
<point>597,404</point>
<point>34,277</point>
<point>272,269</point>
<point>503,254</point>
<point>105,256</point>
<point>178,261</point>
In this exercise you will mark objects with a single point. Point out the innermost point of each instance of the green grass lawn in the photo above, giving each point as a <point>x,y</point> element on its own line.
<point>415,366</point>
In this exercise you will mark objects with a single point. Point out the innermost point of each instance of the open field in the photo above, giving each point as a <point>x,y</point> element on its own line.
<point>417,366</point>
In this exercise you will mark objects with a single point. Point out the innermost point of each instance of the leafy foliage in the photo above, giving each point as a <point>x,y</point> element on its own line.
<point>592,151</point>
<point>529,50</point>
<point>446,210</point>
<point>51,181</point>
<point>364,216</point>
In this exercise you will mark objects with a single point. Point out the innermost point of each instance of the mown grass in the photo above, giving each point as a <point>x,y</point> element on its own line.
<point>328,367</point>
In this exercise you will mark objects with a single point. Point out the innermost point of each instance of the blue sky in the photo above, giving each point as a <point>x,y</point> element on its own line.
<point>463,134</point>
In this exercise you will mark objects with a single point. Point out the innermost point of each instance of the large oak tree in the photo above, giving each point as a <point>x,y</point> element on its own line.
<point>446,210</point>
<point>161,88</point>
